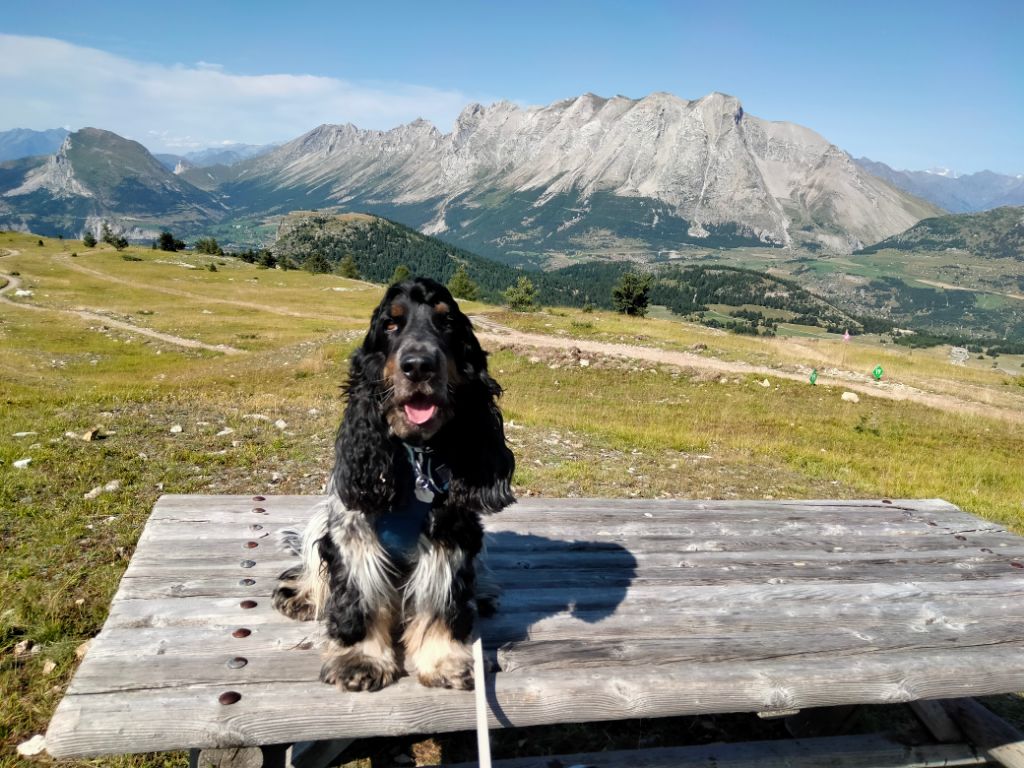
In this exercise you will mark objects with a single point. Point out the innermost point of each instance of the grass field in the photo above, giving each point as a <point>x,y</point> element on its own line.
<point>263,420</point>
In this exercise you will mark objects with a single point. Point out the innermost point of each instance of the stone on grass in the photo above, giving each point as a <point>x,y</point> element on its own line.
<point>48,666</point>
<point>280,423</point>
<point>96,433</point>
<point>112,486</point>
<point>24,434</point>
<point>92,494</point>
<point>851,397</point>
<point>83,649</point>
<point>22,463</point>
<point>225,431</point>
<point>176,429</point>
<point>23,648</point>
<point>33,746</point>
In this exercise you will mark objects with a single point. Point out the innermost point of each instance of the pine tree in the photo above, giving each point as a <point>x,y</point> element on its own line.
<point>89,240</point>
<point>316,263</point>
<point>629,296</point>
<point>522,297</point>
<point>462,287</point>
<point>400,275</point>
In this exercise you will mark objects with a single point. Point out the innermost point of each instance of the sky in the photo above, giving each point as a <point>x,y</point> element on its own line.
<point>914,84</point>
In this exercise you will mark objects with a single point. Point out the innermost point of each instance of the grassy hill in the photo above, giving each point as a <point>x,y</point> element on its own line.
<point>995,234</point>
<point>74,358</point>
<point>378,246</point>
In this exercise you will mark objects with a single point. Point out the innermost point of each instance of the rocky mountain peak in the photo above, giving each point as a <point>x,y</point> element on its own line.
<point>704,164</point>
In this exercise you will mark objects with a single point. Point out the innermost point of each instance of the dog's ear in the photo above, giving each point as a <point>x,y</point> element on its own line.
<point>482,464</point>
<point>364,454</point>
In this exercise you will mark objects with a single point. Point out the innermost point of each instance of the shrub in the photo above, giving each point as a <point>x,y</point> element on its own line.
<point>89,240</point>
<point>347,267</point>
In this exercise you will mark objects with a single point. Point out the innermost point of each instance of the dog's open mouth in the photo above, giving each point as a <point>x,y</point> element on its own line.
<point>419,410</point>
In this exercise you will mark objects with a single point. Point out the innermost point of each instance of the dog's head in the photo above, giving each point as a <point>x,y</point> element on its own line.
<point>424,339</point>
<point>421,377</point>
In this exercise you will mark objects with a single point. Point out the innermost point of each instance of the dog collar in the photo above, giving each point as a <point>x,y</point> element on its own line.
<point>430,480</point>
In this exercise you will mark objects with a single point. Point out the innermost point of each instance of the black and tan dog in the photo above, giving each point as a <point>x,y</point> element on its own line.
<point>390,559</point>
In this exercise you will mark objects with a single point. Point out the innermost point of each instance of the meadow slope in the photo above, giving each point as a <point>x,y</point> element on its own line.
<point>105,358</point>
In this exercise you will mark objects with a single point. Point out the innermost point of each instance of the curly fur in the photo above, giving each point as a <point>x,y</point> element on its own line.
<point>419,349</point>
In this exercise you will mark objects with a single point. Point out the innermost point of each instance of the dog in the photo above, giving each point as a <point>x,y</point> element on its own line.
<point>391,560</point>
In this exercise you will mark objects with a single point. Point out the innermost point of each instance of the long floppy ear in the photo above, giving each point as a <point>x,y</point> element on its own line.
<point>482,464</point>
<point>364,454</point>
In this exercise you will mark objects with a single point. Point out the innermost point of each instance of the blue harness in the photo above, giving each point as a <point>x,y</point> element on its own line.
<point>399,530</point>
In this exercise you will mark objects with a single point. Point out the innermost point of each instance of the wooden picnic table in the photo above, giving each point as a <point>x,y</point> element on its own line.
<point>612,609</point>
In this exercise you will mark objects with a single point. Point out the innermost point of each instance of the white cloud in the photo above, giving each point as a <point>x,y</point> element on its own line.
<point>48,82</point>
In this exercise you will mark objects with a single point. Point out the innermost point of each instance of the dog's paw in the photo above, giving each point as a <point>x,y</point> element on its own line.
<point>293,604</point>
<point>356,671</point>
<point>455,671</point>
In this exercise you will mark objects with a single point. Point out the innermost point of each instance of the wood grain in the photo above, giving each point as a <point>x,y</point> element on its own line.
<point>611,609</point>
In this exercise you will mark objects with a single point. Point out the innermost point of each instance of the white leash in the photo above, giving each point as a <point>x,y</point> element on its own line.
<point>483,741</point>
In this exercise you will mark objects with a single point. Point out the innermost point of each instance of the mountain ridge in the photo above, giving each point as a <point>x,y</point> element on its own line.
<point>98,176</point>
<point>696,169</point>
<point>956,193</point>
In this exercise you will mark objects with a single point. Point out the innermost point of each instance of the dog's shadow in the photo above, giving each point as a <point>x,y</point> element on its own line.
<point>553,592</point>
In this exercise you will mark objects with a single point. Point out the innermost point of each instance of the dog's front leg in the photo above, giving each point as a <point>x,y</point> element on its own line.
<point>439,600</point>
<point>361,610</point>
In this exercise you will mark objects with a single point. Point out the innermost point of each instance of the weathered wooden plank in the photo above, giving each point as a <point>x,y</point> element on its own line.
<point>698,608</point>
<point>186,663</point>
<point>1001,742</point>
<point>616,556</point>
<point>837,752</point>
<point>934,717</point>
<point>543,509</point>
<point>748,600</point>
<point>708,537</point>
<point>950,570</point>
<point>192,716</point>
<point>741,603</point>
<point>845,646</point>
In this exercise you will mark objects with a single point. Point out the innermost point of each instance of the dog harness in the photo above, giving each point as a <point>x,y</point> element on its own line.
<point>399,530</point>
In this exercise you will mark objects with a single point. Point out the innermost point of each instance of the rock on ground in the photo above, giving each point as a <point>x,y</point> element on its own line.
<point>33,746</point>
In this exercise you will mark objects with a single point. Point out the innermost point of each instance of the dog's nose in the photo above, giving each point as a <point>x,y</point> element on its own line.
<point>418,367</point>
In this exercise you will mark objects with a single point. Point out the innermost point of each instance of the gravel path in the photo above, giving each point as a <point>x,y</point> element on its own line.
<point>494,333</point>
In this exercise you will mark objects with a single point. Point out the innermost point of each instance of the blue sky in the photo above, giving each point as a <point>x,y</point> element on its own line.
<point>914,84</point>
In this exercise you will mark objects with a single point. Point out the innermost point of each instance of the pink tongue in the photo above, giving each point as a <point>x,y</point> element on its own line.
<point>419,414</point>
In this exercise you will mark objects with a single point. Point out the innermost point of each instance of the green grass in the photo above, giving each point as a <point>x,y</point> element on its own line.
<point>615,428</point>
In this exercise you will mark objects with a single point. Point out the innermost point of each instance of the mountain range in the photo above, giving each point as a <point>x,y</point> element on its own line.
<point>228,154</point>
<point>98,176</point>
<point>24,142</point>
<point>956,193</point>
<point>588,176</point>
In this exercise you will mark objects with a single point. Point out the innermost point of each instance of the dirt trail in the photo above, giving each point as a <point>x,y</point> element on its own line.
<point>951,287</point>
<point>195,296</point>
<point>497,334</point>
<point>13,284</point>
